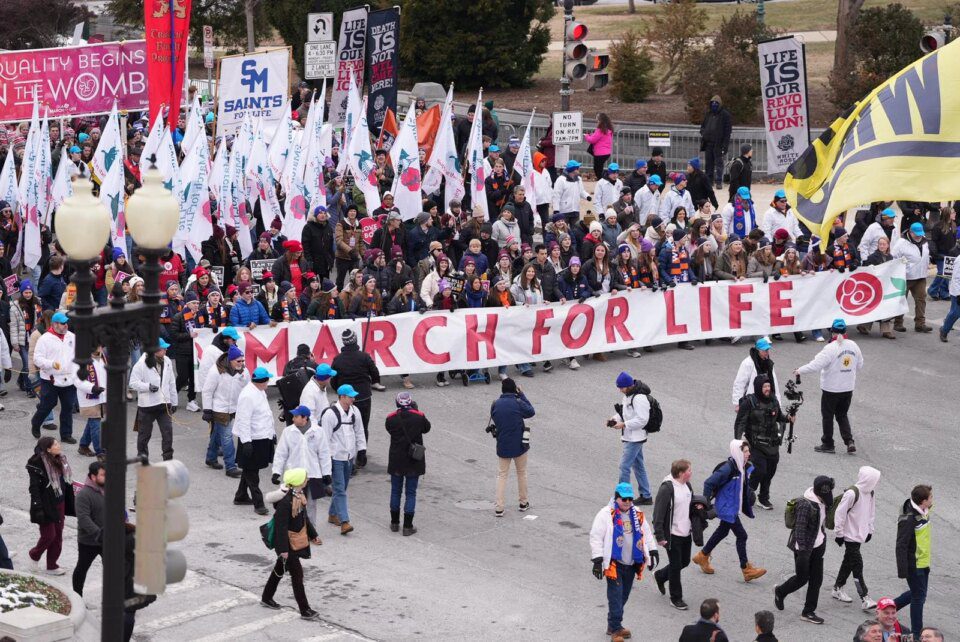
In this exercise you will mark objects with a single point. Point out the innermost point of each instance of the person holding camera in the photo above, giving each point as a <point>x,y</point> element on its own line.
<point>633,414</point>
<point>406,462</point>
<point>759,418</point>
<point>304,445</point>
<point>507,425</point>
<point>838,364</point>
<point>621,542</point>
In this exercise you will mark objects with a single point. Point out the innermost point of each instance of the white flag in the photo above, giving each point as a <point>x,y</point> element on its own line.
<point>159,145</point>
<point>362,165</point>
<point>239,157</point>
<point>355,109</point>
<point>8,181</point>
<point>406,163</point>
<point>280,145</point>
<point>523,165</point>
<point>195,126</point>
<point>30,190</point>
<point>219,178</point>
<point>260,174</point>
<point>62,187</point>
<point>110,147</point>
<point>112,196</point>
<point>314,190</point>
<point>196,225</point>
<point>478,188</point>
<point>444,162</point>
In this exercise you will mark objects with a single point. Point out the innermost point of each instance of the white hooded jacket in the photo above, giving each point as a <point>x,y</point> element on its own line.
<point>308,450</point>
<point>853,521</point>
<point>743,383</point>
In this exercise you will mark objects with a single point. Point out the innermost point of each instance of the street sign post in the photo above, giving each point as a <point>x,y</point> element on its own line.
<point>319,27</point>
<point>208,56</point>
<point>319,59</point>
<point>567,127</point>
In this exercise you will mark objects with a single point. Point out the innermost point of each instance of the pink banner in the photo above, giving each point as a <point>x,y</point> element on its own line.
<point>74,81</point>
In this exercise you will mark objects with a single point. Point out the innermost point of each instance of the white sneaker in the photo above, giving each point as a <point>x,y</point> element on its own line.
<point>867,604</point>
<point>820,339</point>
<point>379,387</point>
<point>840,594</point>
<point>574,364</point>
<point>56,571</point>
<point>1,407</point>
<point>636,354</point>
<point>193,407</point>
<point>503,376</point>
<point>735,340</point>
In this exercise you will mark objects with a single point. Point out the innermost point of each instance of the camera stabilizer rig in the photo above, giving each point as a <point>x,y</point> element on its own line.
<point>796,398</point>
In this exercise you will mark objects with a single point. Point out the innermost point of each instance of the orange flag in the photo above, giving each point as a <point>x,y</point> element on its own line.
<point>389,131</point>
<point>428,123</point>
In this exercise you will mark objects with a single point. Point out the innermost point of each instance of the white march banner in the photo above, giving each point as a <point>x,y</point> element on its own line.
<point>253,85</point>
<point>486,337</point>
<point>783,79</point>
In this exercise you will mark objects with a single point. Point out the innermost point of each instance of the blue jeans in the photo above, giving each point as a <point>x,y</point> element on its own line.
<point>23,379</point>
<point>91,435</point>
<point>396,488</point>
<point>952,315</point>
<point>633,458</point>
<point>522,367</point>
<point>221,439</point>
<point>341,477</point>
<point>50,395</point>
<point>721,532</point>
<point>915,596</point>
<point>618,592</point>
<point>940,286</point>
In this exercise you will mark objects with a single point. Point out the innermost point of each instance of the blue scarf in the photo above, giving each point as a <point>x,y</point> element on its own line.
<point>617,551</point>
<point>739,222</point>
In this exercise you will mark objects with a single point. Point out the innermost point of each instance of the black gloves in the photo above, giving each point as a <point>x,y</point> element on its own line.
<point>327,479</point>
<point>96,391</point>
<point>597,293</point>
<point>654,560</point>
<point>839,541</point>
<point>422,310</point>
<point>841,270</point>
<point>598,567</point>
<point>7,375</point>
<point>589,198</point>
<point>207,415</point>
<point>361,458</point>
<point>172,409</point>
<point>869,537</point>
<point>853,267</point>
<point>247,450</point>
<point>275,479</point>
<point>82,374</point>
<point>154,388</point>
<point>776,276</point>
<point>766,277</point>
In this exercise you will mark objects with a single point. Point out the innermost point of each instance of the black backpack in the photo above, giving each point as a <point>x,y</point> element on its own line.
<point>656,413</point>
<point>336,412</point>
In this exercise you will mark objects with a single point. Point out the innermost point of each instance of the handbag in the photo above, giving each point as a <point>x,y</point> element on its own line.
<point>416,452</point>
<point>590,149</point>
<point>266,533</point>
<point>299,539</point>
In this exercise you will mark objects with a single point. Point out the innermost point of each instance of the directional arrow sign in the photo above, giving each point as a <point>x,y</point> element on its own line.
<point>319,27</point>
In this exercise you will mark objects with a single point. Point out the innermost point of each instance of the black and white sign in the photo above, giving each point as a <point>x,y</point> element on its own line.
<point>567,127</point>
<point>208,46</point>
<point>259,266</point>
<point>949,265</point>
<point>319,27</point>
<point>319,59</point>
<point>658,139</point>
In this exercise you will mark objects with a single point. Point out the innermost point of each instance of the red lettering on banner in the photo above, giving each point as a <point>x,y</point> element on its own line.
<point>706,313</point>
<point>672,327</point>
<point>325,348</point>
<point>778,304</point>
<point>255,351</point>
<point>738,305</point>
<point>420,340</point>
<point>568,339</point>
<point>474,337</point>
<point>618,309</point>
<point>540,329</point>
<point>378,347</point>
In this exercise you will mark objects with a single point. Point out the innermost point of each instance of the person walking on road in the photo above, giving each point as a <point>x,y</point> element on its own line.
<point>621,543</point>
<point>153,380</point>
<point>631,419</point>
<point>91,383</point>
<point>314,394</point>
<point>51,499</point>
<point>913,248</point>
<point>913,551</point>
<point>853,527</point>
<point>838,364</point>
<point>756,363</point>
<point>256,435</point>
<point>673,529</point>
<point>344,430</point>
<point>406,463</point>
<point>808,541</point>
<point>293,532</point>
<point>728,489</point>
<point>715,130</point>
<point>758,421</point>
<point>221,391</point>
<point>507,414</point>
<point>89,506</point>
<point>303,444</point>
<point>954,312</point>
<point>707,628</point>
<point>356,368</point>
<point>53,358</point>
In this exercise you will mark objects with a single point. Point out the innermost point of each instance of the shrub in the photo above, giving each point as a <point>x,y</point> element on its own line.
<point>631,68</point>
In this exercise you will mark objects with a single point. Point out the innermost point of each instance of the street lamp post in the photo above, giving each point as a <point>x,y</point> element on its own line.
<point>83,225</point>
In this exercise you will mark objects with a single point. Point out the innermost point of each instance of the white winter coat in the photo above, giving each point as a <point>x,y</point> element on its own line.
<point>955,280</point>
<point>142,377</point>
<point>210,355</point>
<point>648,204</point>
<point>314,398</point>
<point>838,364</point>
<point>672,199</point>
<point>918,258</point>
<point>349,438</point>
<point>308,450</point>
<point>873,233</point>
<point>636,415</point>
<point>50,350</point>
<point>854,521</point>
<point>567,194</point>
<point>85,387</point>
<point>254,418</point>
<point>221,390</point>
<point>773,220</point>
<point>542,187</point>
<point>601,536</point>
<point>605,194</point>
<point>5,361</point>
<point>743,383</point>
<point>727,214</point>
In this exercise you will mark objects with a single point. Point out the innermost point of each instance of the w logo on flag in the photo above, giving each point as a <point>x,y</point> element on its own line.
<point>252,77</point>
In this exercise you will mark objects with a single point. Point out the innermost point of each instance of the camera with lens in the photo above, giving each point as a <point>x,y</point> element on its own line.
<point>795,396</point>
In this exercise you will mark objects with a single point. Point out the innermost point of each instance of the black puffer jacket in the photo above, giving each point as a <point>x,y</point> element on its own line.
<point>406,426</point>
<point>357,368</point>
<point>758,419</point>
<point>43,501</point>
<point>317,239</point>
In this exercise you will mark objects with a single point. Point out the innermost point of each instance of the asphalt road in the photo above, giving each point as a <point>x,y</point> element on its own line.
<point>469,575</point>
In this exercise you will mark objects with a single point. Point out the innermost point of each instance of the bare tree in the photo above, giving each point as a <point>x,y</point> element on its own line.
<point>631,6</point>
<point>673,33</point>
<point>847,11</point>
<point>250,9</point>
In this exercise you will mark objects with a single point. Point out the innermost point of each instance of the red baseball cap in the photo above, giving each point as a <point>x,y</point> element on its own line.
<point>886,603</point>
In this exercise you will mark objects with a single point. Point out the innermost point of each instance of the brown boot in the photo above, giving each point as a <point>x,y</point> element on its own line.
<point>703,561</point>
<point>345,528</point>
<point>333,519</point>
<point>600,357</point>
<point>751,572</point>
<point>85,451</point>
<point>621,633</point>
<point>889,335</point>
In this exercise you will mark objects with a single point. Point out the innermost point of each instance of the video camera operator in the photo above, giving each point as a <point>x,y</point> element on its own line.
<point>759,418</point>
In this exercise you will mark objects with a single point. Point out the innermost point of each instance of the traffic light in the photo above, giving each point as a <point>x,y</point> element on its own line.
<point>575,50</point>
<point>933,40</point>
<point>597,61</point>
<point>160,521</point>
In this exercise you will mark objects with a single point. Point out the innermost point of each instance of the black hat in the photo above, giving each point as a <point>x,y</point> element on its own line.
<point>508,387</point>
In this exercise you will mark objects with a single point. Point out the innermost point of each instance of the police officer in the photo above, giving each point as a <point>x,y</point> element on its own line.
<point>838,363</point>
<point>758,420</point>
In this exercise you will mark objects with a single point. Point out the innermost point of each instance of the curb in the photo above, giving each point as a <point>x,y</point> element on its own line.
<point>78,609</point>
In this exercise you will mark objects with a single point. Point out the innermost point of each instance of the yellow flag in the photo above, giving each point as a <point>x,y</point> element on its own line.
<point>901,142</point>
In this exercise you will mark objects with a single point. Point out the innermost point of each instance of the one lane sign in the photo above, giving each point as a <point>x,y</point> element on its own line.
<point>319,27</point>
<point>319,59</point>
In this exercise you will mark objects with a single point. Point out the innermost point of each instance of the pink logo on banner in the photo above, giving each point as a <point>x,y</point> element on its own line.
<point>860,294</point>
<point>74,81</point>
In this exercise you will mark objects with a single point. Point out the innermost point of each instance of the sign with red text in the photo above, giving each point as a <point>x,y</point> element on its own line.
<point>486,337</point>
<point>783,80</point>
<point>369,227</point>
<point>74,81</point>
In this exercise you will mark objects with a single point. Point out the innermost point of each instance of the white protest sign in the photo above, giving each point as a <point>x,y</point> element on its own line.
<point>567,127</point>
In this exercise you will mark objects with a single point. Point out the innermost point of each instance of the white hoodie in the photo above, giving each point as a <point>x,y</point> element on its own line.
<point>854,521</point>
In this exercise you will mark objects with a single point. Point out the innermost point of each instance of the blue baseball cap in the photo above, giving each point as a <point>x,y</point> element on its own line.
<point>300,411</point>
<point>324,372</point>
<point>613,167</point>
<point>346,390</point>
<point>838,325</point>
<point>654,179</point>
<point>744,193</point>
<point>493,148</point>
<point>640,164</point>
<point>231,333</point>
<point>888,213</point>
<point>779,194</point>
<point>209,117</point>
<point>763,343</point>
<point>162,343</point>
<point>60,317</point>
<point>625,490</point>
<point>261,374</point>
<point>571,165</point>
<point>917,229</point>
<point>75,150</point>
<point>624,380</point>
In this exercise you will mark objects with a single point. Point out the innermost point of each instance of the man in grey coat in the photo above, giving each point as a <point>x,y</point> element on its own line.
<point>89,506</point>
